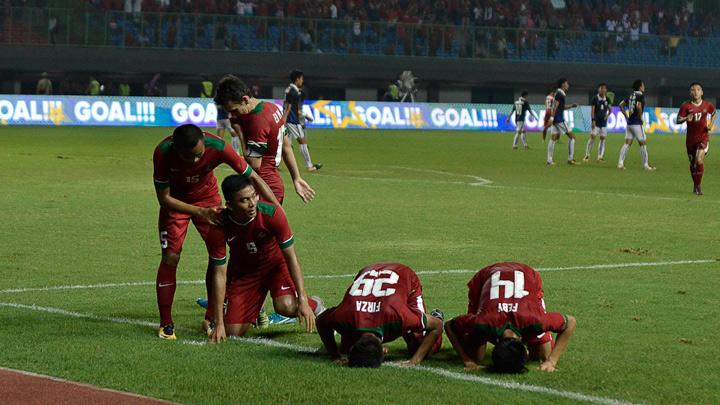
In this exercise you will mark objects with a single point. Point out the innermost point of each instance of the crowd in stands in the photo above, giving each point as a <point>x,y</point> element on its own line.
<point>673,17</point>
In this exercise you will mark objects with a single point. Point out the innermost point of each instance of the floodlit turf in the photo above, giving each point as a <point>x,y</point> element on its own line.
<point>79,208</point>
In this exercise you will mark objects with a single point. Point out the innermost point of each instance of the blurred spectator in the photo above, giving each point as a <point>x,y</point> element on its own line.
<point>123,90</point>
<point>93,88</point>
<point>52,29</point>
<point>152,88</point>
<point>44,85</point>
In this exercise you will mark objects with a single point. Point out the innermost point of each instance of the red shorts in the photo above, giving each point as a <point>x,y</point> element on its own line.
<point>272,178</point>
<point>173,229</point>
<point>245,294</point>
<point>548,116</point>
<point>692,148</point>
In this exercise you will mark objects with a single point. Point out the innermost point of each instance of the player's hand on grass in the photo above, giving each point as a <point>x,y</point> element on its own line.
<point>304,190</point>
<point>218,334</point>
<point>472,366</point>
<point>306,315</point>
<point>407,363</point>
<point>548,366</point>
<point>212,215</point>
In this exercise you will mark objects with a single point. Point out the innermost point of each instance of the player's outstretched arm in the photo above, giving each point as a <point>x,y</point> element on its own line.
<point>302,188</point>
<point>563,338</point>
<point>210,214</point>
<point>433,330</point>
<point>327,335</point>
<point>469,362</point>
<point>304,312</point>
<point>217,301</point>
<point>711,121</point>
<point>510,114</point>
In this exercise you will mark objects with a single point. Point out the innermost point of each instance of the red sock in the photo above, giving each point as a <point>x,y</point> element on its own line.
<point>313,304</point>
<point>700,170</point>
<point>165,289</point>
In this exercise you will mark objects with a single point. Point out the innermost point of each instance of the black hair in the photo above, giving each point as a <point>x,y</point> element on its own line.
<point>295,74</point>
<point>524,94</point>
<point>367,352</point>
<point>602,84</point>
<point>509,356</point>
<point>552,90</point>
<point>233,184</point>
<point>637,84</point>
<point>186,137</point>
<point>696,84</point>
<point>561,81</point>
<point>231,88</point>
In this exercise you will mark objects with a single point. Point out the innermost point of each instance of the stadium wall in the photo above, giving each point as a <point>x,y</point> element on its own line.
<point>171,111</point>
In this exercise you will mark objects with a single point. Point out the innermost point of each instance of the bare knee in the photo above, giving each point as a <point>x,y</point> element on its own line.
<point>285,305</point>
<point>171,259</point>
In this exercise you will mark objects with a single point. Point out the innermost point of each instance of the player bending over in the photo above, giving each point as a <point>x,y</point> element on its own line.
<point>263,129</point>
<point>559,126</point>
<point>599,111</point>
<point>506,308</point>
<point>262,260</point>
<point>700,116</point>
<point>520,107</point>
<point>633,108</point>
<point>384,303</point>
<point>187,191</point>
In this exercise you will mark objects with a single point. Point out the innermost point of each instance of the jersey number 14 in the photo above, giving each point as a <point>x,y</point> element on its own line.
<point>513,289</point>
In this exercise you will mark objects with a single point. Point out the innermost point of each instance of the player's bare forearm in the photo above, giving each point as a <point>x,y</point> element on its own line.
<point>263,189</point>
<point>295,271</point>
<point>455,341</point>
<point>173,204</point>
<point>289,158</point>
<point>255,162</point>
<point>327,335</point>
<point>561,344</point>
<point>218,300</point>
<point>434,329</point>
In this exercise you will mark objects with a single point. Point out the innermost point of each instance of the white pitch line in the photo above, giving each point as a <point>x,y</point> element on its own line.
<point>333,276</point>
<point>307,349</point>
<point>477,180</point>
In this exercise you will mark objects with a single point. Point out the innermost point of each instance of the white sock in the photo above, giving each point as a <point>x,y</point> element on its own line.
<point>236,144</point>
<point>305,154</point>
<point>623,152</point>
<point>644,155</point>
<point>515,139</point>
<point>588,148</point>
<point>524,139</point>
<point>550,150</point>
<point>571,149</point>
<point>601,148</point>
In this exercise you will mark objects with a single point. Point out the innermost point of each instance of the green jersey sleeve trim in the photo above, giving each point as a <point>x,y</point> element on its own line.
<point>214,143</point>
<point>165,146</point>
<point>265,208</point>
<point>248,171</point>
<point>218,262</point>
<point>161,184</point>
<point>287,243</point>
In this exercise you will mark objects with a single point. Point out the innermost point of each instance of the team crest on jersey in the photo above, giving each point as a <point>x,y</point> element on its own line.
<point>252,249</point>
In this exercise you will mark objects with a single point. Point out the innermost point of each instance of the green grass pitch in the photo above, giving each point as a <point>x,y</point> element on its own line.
<point>79,209</point>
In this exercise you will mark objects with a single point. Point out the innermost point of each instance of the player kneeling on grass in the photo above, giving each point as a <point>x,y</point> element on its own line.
<point>383,303</point>
<point>506,308</point>
<point>262,259</point>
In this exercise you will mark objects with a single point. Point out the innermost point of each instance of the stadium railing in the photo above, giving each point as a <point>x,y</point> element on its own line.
<point>28,25</point>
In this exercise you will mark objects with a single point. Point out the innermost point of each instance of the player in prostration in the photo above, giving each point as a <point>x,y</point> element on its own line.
<point>699,115</point>
<point>506,308</point>
<point>559,126</point>
<point>599,112</point>
<point>262,260</point>
<point>187,191</point>
<point>383,303</point>
<point>263,129</point>
<point>633,109</point>
<point>295,119</point>
<point>521,107</point>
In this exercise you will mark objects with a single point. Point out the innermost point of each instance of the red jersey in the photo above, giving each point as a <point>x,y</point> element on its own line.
<point>697,131</point>
<point>194,182</point>
<point>257,245</point>
<point>385,298</point>
<point>509,297</point>
<point>263,129</point>
<point>480,286</point>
